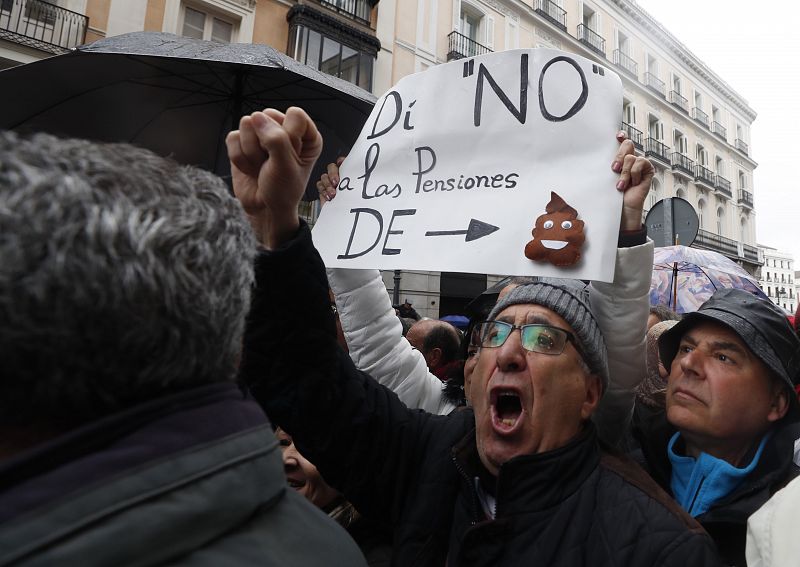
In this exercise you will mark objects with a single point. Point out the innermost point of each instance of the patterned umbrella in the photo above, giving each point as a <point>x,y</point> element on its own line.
<point>684,278</point>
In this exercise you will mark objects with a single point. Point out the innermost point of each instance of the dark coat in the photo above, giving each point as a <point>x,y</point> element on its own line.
<point>415,472</point>
<point>726,520</point>
<point>192,479</point>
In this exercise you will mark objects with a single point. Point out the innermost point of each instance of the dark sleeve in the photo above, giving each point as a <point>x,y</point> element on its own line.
<point>631,238</point>
<point>361,437</point>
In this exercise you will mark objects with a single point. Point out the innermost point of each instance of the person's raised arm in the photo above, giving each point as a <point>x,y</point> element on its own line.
<point>374,333</point>
<point>621,307</point>
<point>271,156</point>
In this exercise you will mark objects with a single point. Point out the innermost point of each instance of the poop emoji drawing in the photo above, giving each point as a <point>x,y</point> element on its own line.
<point>557,235</point>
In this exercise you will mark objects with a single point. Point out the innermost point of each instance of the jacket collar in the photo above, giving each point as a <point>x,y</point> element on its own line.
<point>115,444</point>
<point>529,483</point>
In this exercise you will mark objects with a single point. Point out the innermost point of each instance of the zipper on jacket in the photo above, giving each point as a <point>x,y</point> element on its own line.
<point>473,500</point>
<point>696,494</point>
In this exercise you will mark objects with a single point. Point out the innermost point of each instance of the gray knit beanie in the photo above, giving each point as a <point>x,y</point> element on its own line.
<point>570,300</point>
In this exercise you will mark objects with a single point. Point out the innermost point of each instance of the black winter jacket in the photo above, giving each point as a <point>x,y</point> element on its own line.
<point>725,521</point>
<point>415,472</point>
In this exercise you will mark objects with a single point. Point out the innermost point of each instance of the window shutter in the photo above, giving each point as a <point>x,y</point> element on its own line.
<point>490,32</point>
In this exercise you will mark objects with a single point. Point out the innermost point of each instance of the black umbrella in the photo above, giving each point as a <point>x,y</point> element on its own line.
<point>176,96</point>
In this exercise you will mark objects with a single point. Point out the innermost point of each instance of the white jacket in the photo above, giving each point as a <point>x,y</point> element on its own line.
<point>772,531</point>
<point>374,336</point>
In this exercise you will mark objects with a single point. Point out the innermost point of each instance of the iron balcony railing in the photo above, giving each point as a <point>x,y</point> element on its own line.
<point>741,146</point>
<point>42,25</point>
<point>552,12</point>
<point>718,243</point>
<point>682,163</point>
<point>634,135</point>
<point>357,9</point>
<point>700,116</point>
<point>746,197</point>
<point>723,186</point>
<point>625,63</point>
<point>461,46</point>
<point>658,150</point>
<point>592,39</point>
<point>704,175</point>
<point>719,130</point>
<point>679,100</point>
<point>751,254</point>
<point>654,83</point>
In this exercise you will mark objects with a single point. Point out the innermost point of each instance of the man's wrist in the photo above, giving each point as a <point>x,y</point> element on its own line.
<point>630,238</point>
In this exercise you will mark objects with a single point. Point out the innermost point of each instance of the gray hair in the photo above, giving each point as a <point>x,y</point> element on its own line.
<point>123,276</point>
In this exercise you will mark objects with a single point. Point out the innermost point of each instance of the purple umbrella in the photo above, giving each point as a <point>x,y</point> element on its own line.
<point>684,278</point>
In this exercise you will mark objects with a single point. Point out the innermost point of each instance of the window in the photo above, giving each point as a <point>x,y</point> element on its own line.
<point>676,84</point>
<point>679,142</point>
<point>204,25</point>
<point>700,209</point>
<point>652,65</point>
<point>701,155</point>
<point>720,220</point>
<point>742,180</point>
<point>589,18</point>
<point>629,112</point>
<point>655,128</point>
<point>624,44</point>
<point>719,166</point>
<point>331,56</point>
<point>470,24</point>
<point>45,13</point>
<point>698,100</point>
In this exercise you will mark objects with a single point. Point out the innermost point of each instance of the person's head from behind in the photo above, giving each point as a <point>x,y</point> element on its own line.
<point>660,313</point>
<point>540,373</point>
<point>438,341</point>
<point>123,277</point>
<point>733,365</point>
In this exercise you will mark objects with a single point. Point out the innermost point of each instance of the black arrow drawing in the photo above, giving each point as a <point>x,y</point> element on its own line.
<point>475,230</point>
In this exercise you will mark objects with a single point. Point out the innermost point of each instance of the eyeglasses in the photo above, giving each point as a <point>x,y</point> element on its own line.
<point>544,339</point>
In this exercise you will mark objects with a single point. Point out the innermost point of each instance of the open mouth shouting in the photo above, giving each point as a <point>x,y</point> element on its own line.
<point>506,408</point>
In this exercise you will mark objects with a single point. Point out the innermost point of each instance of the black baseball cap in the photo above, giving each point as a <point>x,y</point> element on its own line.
<point>761,325</point>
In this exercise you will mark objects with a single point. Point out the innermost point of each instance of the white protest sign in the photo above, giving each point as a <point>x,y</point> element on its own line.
<point>456,164</point>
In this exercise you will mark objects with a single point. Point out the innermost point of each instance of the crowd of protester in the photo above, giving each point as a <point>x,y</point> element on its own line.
<point>185,383</point>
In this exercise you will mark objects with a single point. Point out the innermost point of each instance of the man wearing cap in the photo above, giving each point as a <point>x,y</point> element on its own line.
<point>518,479</point>
<point>725,443</point>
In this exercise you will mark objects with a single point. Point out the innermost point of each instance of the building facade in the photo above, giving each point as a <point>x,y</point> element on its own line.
<point>778,278</point>
<point>679,113</point>
<point>686,119</point>
<point>334,36</point>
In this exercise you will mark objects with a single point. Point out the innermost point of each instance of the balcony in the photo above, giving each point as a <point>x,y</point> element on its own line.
<point>724,186</point>
<point>741,146</point>
<point>751,253</point>
<point>682,165</point>
<point>461,46</point>
<point>679,100</point>
<point>626,63</point>
<point>704,176</point>
<point>42,25</point>
<point>657,150</point>
<point>358,10</point>
<point>700,116</point>
<point>634,135</point>
<point>591,39</point>
<point>552,12</point>
<point>745,198</point>
<point>718,243</point>
<point>654,84</point>
<point>719,130</point>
